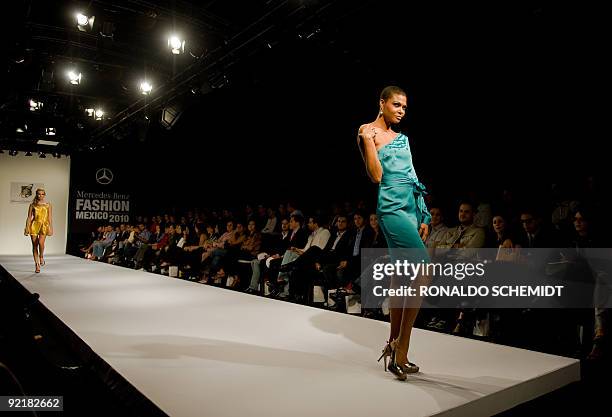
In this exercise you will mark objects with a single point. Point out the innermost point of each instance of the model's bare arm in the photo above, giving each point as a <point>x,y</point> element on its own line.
<point>367,147</point>
<point>50,220</point>
<point>28,221</point>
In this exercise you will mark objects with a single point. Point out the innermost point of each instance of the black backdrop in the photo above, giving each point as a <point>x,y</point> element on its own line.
<point>498,96</point>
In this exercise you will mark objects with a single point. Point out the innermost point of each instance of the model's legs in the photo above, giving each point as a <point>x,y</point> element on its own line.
<point>35,251</point>
<point>410,311</point>
<point>401,232</point>
<point>41,248</point>
<point>396,308</point>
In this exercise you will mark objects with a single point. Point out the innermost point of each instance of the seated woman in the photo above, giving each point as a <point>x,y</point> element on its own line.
<point>193,253</point>
<point>219,242</point>
<point>247,252</point>
<point>232,244</point>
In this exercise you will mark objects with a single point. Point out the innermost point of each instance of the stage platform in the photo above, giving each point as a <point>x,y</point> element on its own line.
<point>197,350</point>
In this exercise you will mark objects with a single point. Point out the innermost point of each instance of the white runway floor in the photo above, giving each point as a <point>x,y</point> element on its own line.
<point>196,350</point>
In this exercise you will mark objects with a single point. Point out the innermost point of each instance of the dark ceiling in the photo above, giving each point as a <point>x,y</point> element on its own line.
<point>481,76</point>
<point>126,44</point>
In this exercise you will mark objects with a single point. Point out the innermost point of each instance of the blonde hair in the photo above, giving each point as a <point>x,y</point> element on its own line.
<point>36,194</point>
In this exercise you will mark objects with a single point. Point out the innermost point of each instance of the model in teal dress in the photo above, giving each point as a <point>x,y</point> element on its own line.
<point>401,209</point>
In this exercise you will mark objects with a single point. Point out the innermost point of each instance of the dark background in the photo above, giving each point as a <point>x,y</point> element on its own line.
<point>500,95</point>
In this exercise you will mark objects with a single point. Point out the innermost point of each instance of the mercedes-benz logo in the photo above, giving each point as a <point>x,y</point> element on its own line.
<point>104,176</point>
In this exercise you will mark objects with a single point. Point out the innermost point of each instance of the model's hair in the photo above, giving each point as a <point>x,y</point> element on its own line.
<point>36,194</point>
<point>390,90</point>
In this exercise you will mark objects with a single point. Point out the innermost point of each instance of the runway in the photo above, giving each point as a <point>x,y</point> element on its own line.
<point>193,350</point>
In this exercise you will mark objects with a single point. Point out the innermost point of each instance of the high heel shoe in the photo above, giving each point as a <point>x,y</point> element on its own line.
<point>42,261</point>
<point>410,368</point>
<point>394,367</point>
<point>37,270</point>
<point>386,351</point>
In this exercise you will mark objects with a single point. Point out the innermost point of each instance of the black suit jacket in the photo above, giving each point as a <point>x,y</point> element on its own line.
<point>343,250</point>
<point>299,239</point>
<point>367,237</point>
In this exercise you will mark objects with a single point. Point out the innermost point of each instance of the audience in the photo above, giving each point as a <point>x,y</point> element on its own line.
<point>279,256</point>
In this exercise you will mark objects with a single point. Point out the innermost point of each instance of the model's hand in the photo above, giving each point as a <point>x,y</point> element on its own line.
<point>342,265</point>
<point>424,232</point>
<point>368,134</point>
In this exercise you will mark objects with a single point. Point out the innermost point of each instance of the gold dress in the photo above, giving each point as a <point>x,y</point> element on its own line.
<point>40,224</point>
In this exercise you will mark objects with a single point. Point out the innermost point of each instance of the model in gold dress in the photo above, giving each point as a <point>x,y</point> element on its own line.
<point>39,225</point>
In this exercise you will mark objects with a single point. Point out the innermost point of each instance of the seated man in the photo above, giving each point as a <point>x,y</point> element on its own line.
<point>336,254</point>
<point>361,237</point>
<point>297,239</point>
<point>296,271</point>
<point>100,246</point>
<point>276,247</point>
<point>466,234</point>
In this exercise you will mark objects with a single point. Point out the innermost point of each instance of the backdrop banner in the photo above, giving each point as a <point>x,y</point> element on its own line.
<point>99,194</point>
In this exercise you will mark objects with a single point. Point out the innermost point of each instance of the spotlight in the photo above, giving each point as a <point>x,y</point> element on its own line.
<point>13,153</point>
<point>21,129</point>
<point>35,105</point>
<point>47,142</point>
<point>28,153</point>
<point>56,155</point>
<point>176,44</point>
<point>41,155</point>
<point>74,77</point>
<point>84,23</point>
<point>50,131</point>
<point>99,114</point>
<point>170,114</point>
<point>90,112</point>
<point>146,87</point>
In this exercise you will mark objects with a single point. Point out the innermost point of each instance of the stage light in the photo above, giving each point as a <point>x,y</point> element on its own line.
<point>50,131</point>
<point>99,114</point>
<point>35,105</point>
<point>57,155</point>
<point>74,77</point>
<point>13,153</point>
<point>82,20</point>
<point>47,142</point>
<point>41,155</point>
<point>28,153</point>
<point>21,129</point>
<point>171,113</point>
<point>84,23</point>
<point>146,87</point>
<point>90,112</point>
<point>176,44</point>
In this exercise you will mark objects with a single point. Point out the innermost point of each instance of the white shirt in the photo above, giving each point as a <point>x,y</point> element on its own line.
<point>270,225</point>
<point>437,235</point>
<point>318,238</point>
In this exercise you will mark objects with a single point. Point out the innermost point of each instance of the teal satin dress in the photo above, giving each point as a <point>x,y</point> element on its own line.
<point>401,207</point>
